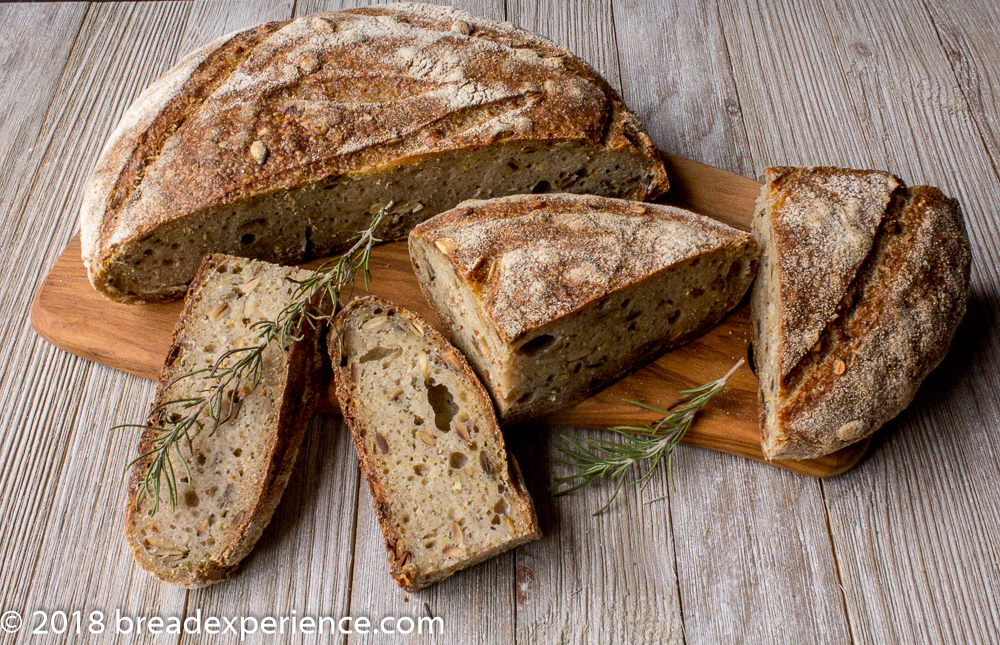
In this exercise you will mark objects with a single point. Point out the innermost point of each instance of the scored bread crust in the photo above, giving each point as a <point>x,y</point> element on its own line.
<point>893,323</point>
<point>828,213</point>
<point>286,105</point>
<point>483,240</point>
<point>404,575</point>
<point>302,362</point>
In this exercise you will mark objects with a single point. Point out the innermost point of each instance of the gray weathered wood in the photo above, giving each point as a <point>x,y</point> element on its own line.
<point>692,108</point>
<point>907,525</point>
<point>739,552</point>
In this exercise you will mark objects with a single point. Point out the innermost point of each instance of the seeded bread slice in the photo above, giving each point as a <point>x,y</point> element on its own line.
<point>862,285</point>
<point>554,297</point>
<point>274,142</point>
<point>446,492</point>
<point>239,471</point>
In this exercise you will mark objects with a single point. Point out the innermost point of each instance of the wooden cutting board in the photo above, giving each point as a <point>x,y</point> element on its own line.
<point>135,338</point>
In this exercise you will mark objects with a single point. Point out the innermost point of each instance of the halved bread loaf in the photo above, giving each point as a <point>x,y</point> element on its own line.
<point>239,470</point>
<point>861,287</point>
<point>553,298</point>
<point>446,492</point>
<point>276,142</point>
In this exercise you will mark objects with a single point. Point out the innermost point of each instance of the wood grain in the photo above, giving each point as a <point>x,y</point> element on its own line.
<point>913,533</point>
<point>907,526</point>
<point>720,501</point>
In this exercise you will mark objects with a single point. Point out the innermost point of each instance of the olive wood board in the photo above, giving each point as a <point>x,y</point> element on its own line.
<point>135,338</point>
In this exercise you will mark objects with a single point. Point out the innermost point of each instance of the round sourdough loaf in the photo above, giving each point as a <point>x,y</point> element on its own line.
<point>279,141</point>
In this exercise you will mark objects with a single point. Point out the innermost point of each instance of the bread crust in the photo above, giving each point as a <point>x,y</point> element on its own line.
<point>894,320</point>
<point>298,402</point>
<point>443,82</point>
<point>405,576</point>
<point>631,242</point>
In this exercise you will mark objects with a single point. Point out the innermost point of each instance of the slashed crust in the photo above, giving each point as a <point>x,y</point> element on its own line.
<point>405,574</point>
<point>297,404</point>
<point>892,324</point>
<point>824,222</point>
<point>533,259</point>
<point>297,103</point>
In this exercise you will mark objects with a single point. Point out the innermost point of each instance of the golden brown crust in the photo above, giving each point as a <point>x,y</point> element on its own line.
<point>405,576</point>
<point>296,408</point>
<point>298,103</point>
<point>893,323</point>
<point>821,213</point>
<point>533,259</point>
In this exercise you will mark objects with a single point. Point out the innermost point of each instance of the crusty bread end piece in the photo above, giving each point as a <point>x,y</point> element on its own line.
<point>554,297</point>
<point>446,492</point>
<point>861,287</point>
<point>239,470</point>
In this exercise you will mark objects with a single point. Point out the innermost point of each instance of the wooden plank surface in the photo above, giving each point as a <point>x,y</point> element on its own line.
<point>721,501</point>
<point>738,552</point>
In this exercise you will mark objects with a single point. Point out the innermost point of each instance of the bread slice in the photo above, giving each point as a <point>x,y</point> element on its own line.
<point>861,287</point>
<point>446,492</point>
<point>238,472</point>
<point>278,141</point>
<point>553,298</point>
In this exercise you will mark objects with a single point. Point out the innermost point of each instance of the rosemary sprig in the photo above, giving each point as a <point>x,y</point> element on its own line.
<point>592,459</point>
<point>238,371</point>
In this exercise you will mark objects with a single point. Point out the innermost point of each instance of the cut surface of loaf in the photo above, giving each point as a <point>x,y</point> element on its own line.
<point>445,490</point>
<point>554,297</point>
<point>239,469</point>
<point>861,286</point>
<point>279,141</point>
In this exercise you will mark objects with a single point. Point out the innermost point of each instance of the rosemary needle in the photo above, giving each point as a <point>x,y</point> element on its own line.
<point>314,300</point>
<point>593,459</point>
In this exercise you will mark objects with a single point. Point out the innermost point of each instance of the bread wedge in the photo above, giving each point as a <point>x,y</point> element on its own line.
<point>862,284</point>
<point>278,141</point>
<point>238,472</point>
<point>445,490</point>
<point>554,297</point>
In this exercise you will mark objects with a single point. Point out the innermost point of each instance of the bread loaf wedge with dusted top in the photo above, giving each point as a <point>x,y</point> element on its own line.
<point>275,142</point>
<point>861,287</point>
<point>236,472</point>
<point>554,297</point>
<point>445,490</point>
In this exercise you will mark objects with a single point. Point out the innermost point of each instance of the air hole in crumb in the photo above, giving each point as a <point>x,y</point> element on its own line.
<point>247,238</point>
<point>238,452</point>
<point>191,498</point>
<point>625,303</point>
<point>457,460</point>
<point>443,403</point>
<point>418,421</point>
<point>536,345</point>
<point>672,318</point>
<point>541,187</point>
<point>420,469</point>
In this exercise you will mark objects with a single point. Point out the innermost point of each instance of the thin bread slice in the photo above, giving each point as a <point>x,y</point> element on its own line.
<point>238,472</point>
<point>446,493</point>
<point>554,297</point>
<point>861,287</point>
